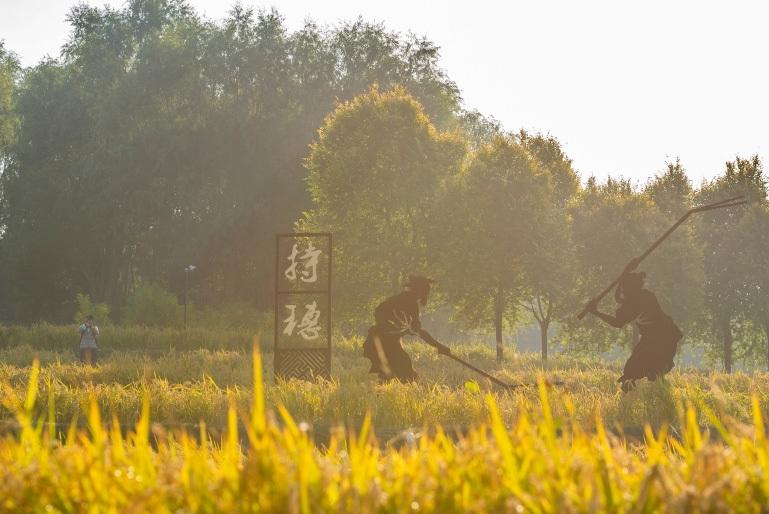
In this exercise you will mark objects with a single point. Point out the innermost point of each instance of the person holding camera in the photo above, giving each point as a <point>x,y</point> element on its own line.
<point>89,333</point>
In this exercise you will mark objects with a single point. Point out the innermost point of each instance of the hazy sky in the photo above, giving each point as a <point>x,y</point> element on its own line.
<point>625,86</point>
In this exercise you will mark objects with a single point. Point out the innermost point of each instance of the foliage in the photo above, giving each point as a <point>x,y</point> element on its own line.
<point>152,306</point>
<point>495,216</point>
<point>9,74</point>
<point>375,173</point>
<point>676,269</point>
<point>9,70</point>
<point>728,257</point>
<point>612,224</point>
<point>86,307</point>
<point>160,139</point>
<point>479,129</point>
<point>756,224</point>
<point>553,268</point>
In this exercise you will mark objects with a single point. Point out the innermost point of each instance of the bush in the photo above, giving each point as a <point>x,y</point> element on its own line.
<point>86,306</point>
<point>152,306</point>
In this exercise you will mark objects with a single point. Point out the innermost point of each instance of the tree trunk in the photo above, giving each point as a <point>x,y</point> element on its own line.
<point>728,342</point>
<point>543,326</point>
<point>498,311</point>
<point>766,334</point>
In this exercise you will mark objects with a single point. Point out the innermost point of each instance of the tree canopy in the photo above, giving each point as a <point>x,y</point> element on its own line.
<point>375,175</point>
<point>160,139</point>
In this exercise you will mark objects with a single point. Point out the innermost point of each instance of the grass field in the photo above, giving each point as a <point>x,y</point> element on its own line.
<point>190,386</point>
<point>446,444</point>
<point>193,385</point>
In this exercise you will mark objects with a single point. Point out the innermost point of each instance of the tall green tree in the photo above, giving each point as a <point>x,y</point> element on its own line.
<point>9,75</point>
<point>727,249</point>
<point>493,216</point>
<point>612,223</point>
<point>676,268</point>
<point>552,268</point>
<point>755,226</point>
<point>615,222</point>
<point>375,173</point>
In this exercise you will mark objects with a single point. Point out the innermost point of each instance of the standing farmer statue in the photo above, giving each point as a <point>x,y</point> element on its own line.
<point>653,356</point>
<point>395,317</point>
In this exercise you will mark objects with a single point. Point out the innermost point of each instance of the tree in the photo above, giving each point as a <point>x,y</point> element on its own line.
<point>755,226</point>
<point>726,248</point>
<point>91,173</point>
<point>493,210</point>
<point>552,276</point>
<point>612,223</point>
<point>159,139</point>
<point>671,191</point>
<point>86,307</point>
<point>9,75</point>
<point>478,129</point>
<point>375,172</point>
<point>676,268</point>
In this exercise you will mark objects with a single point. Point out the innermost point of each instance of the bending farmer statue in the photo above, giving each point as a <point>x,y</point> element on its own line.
<point>395,317</point>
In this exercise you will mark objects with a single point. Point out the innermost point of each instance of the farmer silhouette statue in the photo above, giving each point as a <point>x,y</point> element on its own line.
<point>394,318</point>
<point>653,356</point>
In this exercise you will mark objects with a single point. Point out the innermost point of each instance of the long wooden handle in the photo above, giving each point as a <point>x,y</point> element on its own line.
<point>495,379</point>
<point>480,371</point>
<point>729,202</point>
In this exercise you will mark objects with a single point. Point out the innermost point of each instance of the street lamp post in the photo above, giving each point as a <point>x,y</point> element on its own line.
<point>187,269</point>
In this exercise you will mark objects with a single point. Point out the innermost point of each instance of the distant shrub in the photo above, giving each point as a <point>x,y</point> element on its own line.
<point>152,306</point>
<point>86,306</point>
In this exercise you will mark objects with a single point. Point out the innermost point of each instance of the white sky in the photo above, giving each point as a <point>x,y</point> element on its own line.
<point>625,86</point>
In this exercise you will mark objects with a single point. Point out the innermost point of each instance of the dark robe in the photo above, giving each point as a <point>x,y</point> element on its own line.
<point>653,356</point>
<point>394,318</point>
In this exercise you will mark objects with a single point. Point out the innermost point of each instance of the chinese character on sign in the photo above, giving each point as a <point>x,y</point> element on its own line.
<point>290,321</point>
<point>309,328</point>
<point>309,264</point>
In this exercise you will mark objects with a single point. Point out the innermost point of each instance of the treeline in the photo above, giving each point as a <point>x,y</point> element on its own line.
<point>503,223</point>
<point>159,139</point>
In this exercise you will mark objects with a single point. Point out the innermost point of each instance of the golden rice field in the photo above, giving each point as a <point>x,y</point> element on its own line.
<point>201,431</point>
